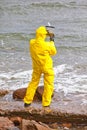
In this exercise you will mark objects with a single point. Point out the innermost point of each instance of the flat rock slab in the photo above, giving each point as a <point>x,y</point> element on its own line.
<point>71,108</point>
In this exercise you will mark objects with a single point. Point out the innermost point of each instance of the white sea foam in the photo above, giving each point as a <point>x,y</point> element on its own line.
<point>2,42</point>
<point>67,80</point>
<point>59,69</point>
<point>24,74</point>
<point>84,101</point>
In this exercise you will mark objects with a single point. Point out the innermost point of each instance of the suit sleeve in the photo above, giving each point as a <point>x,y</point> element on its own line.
<point>52,48</point>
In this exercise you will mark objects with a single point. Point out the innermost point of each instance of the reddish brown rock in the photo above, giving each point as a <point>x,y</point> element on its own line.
<point>39,92</point>
<point>16,120</point>
<point>69,109</point>
<point>3,92</point>
<point>5,123</point>
<point>20,93</point>
<point>33,125</point>
<point>54,125</point>
<point>67,125</point>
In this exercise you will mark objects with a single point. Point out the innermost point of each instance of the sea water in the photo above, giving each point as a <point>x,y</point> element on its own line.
<point>18,22</point>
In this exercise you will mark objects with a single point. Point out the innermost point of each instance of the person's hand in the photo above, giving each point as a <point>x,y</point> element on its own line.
<point>51,36</point>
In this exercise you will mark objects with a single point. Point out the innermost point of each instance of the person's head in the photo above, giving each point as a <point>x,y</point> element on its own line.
<point>41,32</point>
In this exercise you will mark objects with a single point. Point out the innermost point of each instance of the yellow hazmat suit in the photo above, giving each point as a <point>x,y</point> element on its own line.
<point>41,51</point>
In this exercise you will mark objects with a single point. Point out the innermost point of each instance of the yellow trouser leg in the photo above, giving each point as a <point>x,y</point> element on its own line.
<point>48,87</point>
<point>32,87</point>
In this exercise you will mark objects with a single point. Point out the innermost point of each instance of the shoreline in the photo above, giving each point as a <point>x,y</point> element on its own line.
<point>63,110</point>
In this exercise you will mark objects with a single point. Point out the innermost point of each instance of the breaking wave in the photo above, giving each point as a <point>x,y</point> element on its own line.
<point>68,79</point>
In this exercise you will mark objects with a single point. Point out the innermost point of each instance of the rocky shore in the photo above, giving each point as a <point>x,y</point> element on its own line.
<point>65,112</point>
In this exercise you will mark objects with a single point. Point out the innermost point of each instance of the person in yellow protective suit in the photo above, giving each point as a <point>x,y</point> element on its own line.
<point>41,52</point>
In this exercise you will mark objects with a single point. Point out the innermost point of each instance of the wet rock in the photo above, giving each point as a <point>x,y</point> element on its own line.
<point>33,125</point>
<point>11,128</point>
<point>39,92</point>
<point>20,93</point>
<point>3,92</point>
<point>63,109</point>
<point>67,125</point>
<point>54,125</point>
<point>6,124</point>
<point>16,120</point>
<point>85,128</point>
